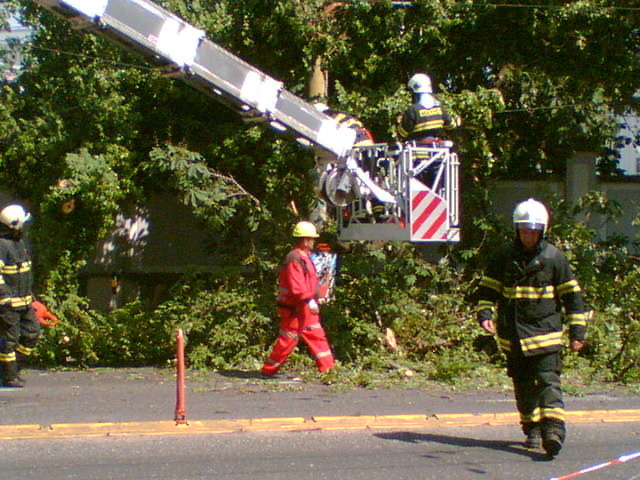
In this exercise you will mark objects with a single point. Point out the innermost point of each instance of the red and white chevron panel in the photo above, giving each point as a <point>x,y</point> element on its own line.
<point>429,218</point>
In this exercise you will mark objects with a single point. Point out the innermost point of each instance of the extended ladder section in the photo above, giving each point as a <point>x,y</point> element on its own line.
<point>183,51</point>
<point>379,192</point>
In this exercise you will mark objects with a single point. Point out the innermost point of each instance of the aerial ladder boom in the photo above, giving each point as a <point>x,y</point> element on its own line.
<point>182,51</point>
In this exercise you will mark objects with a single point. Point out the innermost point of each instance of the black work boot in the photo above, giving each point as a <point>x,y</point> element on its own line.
<point>553,434</point>
<point>20,361</point>
<point>552,444</point>
<point>533,434</point>
<point>10,375</point>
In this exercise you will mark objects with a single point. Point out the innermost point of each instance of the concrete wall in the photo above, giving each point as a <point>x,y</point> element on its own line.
<point>581,179</point>
<point>628,196</point>
<point>146,251</point>
<point>508,193</point>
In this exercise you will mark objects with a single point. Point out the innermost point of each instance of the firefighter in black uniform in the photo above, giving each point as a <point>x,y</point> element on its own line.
<point>528,283</point>
<point>19,326</point>
<point>425,120</point>
<point>363,135</point>
<point>424,123</point>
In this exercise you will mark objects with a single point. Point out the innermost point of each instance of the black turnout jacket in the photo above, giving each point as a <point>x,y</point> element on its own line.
<point>532,293</point>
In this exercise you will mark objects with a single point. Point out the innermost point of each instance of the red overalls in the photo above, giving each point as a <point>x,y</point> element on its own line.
<point>297,284</point>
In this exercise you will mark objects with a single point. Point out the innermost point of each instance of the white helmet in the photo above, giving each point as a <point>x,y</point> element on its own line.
<point>14,217</point>
<point>531,214</point>
<point>420,83</point>
<point>321,107</point>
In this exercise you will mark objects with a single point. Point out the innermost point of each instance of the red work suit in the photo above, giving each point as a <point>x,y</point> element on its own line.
<point>297,284</point>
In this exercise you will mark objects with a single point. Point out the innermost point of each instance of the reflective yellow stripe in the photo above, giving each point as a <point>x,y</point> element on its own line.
<point>15,269</point>
<point>532,417</point>
<point>568,287</point>
<point>323,354</point>
<point>26,351</point>
<point>577,319</point>
<point>421,153</point>
<point>505,344</point>
<point>555,413</point>
<point>485,305</point>
<point>541,341</point>
<point>430,125</point>
<point>491,283</point>
<point>339,117</point>
<point>8,357</point>
<point>529,293</point>
<point>19,302</point>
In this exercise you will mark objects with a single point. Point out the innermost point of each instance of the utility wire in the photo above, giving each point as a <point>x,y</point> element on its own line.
<point>554,7</point>
<point>555,107</point>
<point>526,5</point>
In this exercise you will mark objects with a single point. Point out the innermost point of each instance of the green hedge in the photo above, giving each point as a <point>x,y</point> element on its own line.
<point>392,305</point>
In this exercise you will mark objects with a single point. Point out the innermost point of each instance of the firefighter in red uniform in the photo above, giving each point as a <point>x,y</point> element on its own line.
<point>297,301</point>
<point>528,283</point>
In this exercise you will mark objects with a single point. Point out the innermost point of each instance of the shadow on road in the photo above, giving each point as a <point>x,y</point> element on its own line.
<point>505,446</point>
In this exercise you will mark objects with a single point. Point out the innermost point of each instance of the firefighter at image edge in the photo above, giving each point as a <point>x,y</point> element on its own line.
<point>298,300</point>
<point>19,325</point>
<point>528,282</point>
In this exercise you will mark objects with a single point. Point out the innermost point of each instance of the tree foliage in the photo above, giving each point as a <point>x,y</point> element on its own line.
<point>90,123</point>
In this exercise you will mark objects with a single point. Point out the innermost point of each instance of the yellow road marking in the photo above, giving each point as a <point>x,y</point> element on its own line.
<point>194,427</point>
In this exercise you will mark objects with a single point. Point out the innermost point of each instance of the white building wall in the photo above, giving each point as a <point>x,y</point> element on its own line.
<point>630,153</point>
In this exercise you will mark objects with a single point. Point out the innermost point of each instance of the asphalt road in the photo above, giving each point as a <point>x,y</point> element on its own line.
<point>121,424</point>
<point>461,453</point>
<point>149,394</point>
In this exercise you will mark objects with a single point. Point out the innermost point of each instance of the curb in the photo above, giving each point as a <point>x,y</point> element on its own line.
<point>327,423</point>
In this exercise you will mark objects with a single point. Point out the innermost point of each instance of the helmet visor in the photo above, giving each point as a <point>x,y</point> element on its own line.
<point>531,226</point>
